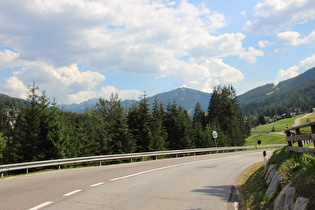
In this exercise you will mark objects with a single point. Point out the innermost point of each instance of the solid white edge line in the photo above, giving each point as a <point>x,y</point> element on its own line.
<point>41,205</point>
<point>97,184</point>
<point>71,193</point>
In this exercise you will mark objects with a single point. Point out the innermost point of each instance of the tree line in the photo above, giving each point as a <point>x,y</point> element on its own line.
<point>43,131</point>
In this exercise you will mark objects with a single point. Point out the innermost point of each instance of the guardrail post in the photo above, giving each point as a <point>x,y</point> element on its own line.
<point>298,132</point>
<point>1,174</point>
<point>288,133</point>
<point>313,132</point>
<point>27,171</point>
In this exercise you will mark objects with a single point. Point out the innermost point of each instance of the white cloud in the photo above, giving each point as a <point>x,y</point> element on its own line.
<point>263,43</point>
<point>7,59</point>
<point>293,71</point>
<point>14,87</point>
<point>251,54</point>
<point>115,34</point>
<point>272,16</point>
<point>210,73</point>
<point>149,37</point>
<point>105,92</point>
<point>293,38</point>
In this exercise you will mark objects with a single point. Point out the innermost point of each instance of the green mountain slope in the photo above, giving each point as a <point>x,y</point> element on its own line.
<point>270,100</point>
<point>8,103</point>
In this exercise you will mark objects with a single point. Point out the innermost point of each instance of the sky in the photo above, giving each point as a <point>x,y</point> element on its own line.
<point>75,50</point>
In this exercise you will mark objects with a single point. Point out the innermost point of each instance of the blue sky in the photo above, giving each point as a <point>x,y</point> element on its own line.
<point>76,50</point>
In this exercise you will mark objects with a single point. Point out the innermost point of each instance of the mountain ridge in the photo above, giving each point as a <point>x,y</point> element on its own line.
<point>185,97</point>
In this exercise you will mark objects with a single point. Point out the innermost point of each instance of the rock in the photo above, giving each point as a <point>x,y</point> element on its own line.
<point>277,178</point>
<point>285,199</point>
<point>270,173</point>
<point>289,198</point>
<point>300,203</point>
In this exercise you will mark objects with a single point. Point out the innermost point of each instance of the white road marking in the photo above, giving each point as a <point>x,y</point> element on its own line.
<point>142,172</point>
<point>157,169</point>
<point>97,184</point>
<point>41,205</point>
<point>9,178</point>
<point>71,193</point>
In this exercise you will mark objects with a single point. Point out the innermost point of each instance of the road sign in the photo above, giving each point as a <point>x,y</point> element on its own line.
<point>214,134</point>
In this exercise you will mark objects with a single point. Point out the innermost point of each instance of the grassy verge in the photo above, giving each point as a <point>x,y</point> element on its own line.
<point>294,167</point>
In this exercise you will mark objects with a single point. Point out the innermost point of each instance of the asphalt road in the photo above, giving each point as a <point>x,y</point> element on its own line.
<point>199,182</point>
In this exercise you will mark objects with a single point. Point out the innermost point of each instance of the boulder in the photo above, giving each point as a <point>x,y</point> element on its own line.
<point>285,199</point>
<point>277,178</point>
<point>300,203</point>
<point>270,173</point>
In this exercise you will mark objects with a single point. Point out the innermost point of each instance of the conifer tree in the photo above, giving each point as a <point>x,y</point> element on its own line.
<point>158,131</point>
<point>224,112</point>
<point>120,138</point>
<point>199,137</point>
<point>139,118</point>
<point>178,125</point>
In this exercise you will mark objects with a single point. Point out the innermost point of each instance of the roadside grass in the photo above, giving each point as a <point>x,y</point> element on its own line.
<point>294,167</point>
<point>265,138</point>
<point>252,188</point>
<point>277,126</point>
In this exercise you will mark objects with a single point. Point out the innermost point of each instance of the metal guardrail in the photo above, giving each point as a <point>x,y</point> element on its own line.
<point>104,158</point>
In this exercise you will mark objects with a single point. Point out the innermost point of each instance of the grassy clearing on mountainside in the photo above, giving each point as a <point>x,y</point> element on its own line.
<point>294,167</point>
<point>266,139</point>
<point>278,126</point>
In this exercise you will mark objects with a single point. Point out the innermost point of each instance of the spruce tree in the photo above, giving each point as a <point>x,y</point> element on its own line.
<point>199,137</point>
<point>120,138</point>
<point>139,118</point>
<point>158,131</point>
<point>178,125</point>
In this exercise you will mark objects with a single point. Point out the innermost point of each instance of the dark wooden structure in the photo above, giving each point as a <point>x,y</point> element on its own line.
<point>304,140</point>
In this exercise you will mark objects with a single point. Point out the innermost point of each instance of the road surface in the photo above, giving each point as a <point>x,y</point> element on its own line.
<point>198,182</point>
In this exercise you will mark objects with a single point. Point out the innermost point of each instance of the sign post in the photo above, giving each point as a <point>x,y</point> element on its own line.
<point>215,136</point>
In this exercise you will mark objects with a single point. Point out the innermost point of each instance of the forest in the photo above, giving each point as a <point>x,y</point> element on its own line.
<point>43,131</point>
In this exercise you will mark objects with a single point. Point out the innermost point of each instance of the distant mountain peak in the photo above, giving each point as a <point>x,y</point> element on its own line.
<point>185,97</point>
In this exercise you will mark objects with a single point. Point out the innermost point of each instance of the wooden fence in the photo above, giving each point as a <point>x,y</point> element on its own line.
<point>305,140</point>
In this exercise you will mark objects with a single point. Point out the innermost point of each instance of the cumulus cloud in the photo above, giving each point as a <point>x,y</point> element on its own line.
<point>210,73</point>
<point>295,70</point>
<point>293,38</point>
<point>148,37</point>
<point>7,59</point>
<point>272,16</point>
<point>14,87</point>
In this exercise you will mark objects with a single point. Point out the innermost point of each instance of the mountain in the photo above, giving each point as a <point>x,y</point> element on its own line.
<point>185,97</point>
<point>270,99</point>
<point>9,103</point>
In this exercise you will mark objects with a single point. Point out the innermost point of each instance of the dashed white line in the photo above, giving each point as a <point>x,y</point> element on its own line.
<point>71,193</point>
<point>41,205</point>
<point>97,184</point>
